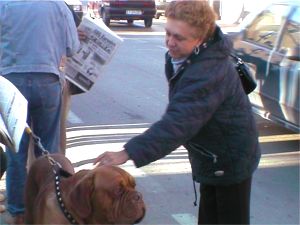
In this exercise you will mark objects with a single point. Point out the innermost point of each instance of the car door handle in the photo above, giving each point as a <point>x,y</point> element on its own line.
<point>255,51</point>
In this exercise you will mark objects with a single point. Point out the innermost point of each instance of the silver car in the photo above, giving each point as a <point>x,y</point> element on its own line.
<point>269,42</point>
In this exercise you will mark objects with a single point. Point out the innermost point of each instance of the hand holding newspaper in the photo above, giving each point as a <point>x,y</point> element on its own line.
<point>13,114</point>
<point>95,51</point>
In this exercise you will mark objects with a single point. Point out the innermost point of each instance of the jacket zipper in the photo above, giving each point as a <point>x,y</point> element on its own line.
<point>204,151</point>
<point>176,74</point>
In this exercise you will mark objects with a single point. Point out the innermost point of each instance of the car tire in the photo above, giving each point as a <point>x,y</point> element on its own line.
<point>130,21</point>
<point>157,15</point>
<point>148,22</point>
<point>105,18</point>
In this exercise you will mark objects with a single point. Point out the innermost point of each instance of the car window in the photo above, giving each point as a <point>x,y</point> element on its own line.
<point>264,29</point>
<point>291,33</point>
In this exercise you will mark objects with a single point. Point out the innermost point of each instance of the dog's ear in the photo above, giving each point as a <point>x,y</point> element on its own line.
<point>80,196</point>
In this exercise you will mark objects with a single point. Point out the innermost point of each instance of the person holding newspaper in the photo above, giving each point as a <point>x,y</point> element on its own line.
<point>208,113</point>
<point>34,36</point>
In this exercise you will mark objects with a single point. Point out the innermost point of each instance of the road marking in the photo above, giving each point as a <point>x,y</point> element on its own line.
<point>276,160</point>
<point>277,138</point>
<point>185,219</point>
<point>73,118</point>
<point>152,185</point>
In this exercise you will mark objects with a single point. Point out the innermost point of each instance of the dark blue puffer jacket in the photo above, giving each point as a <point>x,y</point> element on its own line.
<point>209,114</point>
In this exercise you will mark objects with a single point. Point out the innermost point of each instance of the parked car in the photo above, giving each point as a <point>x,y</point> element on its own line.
<point>129,10</point>
<point>269,42</point>
<point>77,7</point>
<point>161,6</point>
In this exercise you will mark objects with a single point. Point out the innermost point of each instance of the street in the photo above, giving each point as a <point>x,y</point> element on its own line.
<point>129,96</point>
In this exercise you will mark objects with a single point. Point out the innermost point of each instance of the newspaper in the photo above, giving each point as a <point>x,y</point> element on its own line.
<point>83,68</point>
<point>13,114</point>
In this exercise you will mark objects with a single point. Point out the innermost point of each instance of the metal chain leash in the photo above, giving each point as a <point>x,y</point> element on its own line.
<point>57,170</point>
<point>38,143</point>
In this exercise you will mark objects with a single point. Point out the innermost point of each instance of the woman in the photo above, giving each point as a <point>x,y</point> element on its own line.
<point>208,113</point>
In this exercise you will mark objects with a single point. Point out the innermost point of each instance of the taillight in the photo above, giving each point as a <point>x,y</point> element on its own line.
<point>117,3</point>
<point>149,3</point>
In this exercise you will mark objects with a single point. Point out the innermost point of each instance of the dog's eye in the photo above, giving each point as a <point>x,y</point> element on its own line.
<point>119,190</point>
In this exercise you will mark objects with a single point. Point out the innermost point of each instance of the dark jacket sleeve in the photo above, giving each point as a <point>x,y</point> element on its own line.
<point>198,94</point>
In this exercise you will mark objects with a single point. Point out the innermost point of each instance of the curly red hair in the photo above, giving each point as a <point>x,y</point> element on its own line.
<point>197,14</point>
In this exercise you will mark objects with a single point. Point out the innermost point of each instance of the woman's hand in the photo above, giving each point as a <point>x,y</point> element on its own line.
<point>112,158</point>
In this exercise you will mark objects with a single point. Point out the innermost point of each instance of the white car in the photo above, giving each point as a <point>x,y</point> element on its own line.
<point>77,6</point>
<point>161,6</point>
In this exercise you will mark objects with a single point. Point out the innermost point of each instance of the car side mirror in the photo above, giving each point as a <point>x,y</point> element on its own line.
<point>294,53</point>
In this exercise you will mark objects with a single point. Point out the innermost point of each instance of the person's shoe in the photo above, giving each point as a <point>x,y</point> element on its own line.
<point>2,197</point>
<point>7,218</point>
<point>2,208</point>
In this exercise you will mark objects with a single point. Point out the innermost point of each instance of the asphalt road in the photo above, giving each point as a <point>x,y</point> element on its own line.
<point>131,94</point>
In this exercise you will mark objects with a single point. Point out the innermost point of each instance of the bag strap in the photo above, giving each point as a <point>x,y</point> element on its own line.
<point>239,61</point>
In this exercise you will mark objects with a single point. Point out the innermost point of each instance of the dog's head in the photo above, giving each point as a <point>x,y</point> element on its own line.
<point>107,194</point>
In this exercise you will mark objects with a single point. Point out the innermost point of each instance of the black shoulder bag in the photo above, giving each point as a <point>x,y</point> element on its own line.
<point>248,82</point>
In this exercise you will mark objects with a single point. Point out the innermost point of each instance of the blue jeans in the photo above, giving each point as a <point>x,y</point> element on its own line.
<point>43,93</point>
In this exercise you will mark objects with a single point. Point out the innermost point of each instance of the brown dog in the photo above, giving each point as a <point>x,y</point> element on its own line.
<point>104,195</point>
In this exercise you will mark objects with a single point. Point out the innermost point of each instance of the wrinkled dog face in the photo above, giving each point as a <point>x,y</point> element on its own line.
<point>113,198</point>
<point>127,203</point>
